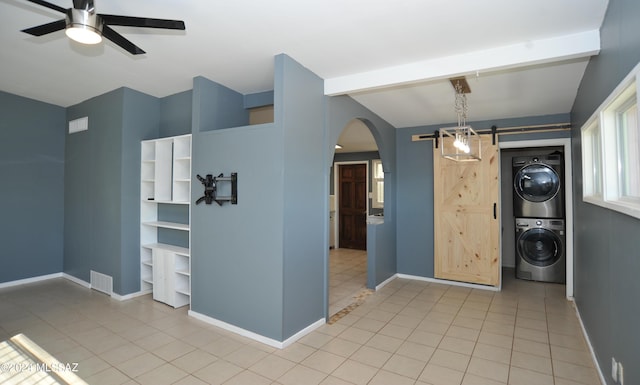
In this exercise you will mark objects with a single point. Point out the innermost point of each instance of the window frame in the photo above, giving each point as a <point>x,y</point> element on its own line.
<point>592,162</point>
<point>376,202</point>
<point>601,150</point>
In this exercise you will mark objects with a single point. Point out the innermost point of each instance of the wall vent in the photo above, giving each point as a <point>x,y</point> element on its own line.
<point>77,125</point>
<point>101,282</point>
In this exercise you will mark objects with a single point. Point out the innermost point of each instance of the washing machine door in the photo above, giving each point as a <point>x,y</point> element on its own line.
<point>536,182</point>
<point>540,247</point>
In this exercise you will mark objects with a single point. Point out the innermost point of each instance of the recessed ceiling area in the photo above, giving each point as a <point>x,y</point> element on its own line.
<point>544,89</point>
<point>356,137</point>
<point>520,58</point>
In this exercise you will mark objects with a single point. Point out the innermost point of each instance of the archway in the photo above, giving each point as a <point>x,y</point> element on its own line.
<point>356,196</point>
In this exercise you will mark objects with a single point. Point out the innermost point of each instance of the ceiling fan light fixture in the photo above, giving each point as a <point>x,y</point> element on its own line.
<point>83,26</point>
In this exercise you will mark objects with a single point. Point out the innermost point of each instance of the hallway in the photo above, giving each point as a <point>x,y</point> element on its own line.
<point>347,277</point>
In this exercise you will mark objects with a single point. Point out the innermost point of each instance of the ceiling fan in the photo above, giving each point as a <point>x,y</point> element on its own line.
<point>84,25</point>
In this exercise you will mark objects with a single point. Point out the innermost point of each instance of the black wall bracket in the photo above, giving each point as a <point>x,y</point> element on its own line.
<point>211,191</point>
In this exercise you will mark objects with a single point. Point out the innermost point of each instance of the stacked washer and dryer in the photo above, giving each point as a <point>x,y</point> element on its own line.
<point>538,206</point>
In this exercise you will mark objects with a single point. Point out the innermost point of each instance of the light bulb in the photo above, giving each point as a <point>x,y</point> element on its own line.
<point>83,35</point>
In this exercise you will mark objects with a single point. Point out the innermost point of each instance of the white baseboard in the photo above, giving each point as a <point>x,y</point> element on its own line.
<point>385,282</point>
<point>76,280</point>
<point>303,333</point>
<point>125,297</point>
<point>73,279</point>
<point>446,282</point>
<point>586,338</point>
<point>254,336</point>
<point>30,280</point>
<point>113,295</point>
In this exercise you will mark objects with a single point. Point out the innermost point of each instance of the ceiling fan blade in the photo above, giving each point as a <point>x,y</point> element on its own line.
<point>46,28</point>
<point>49,5</point>
<point>121,41</point>
<point>145,22</point>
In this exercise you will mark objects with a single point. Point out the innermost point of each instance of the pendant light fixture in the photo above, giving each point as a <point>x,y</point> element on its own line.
<point>460,143</point>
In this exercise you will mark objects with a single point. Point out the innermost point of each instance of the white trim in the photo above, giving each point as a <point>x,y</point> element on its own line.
<point>568,190</point>
<point>588,340</point>
<point>76,280</point>
<point>113,295</point>
<point>554,49</point>
<point>303,333</point>
<point>446,282</point>
<point>385,282</point>
<point>30,280</point>
<point>73,279</point>
<point>631,76</point>
<point>129,296</point>
<point>374,185</point>
<point>254,336</point>
<point>604,118</point>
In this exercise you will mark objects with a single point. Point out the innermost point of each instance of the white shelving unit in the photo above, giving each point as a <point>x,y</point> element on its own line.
<point>165,269</point>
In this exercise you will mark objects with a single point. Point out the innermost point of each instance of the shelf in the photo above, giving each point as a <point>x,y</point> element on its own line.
<point>167,225</point>
<point>172,248</point>
<point>167,202</point>
<point>165,180</point>
<point>184,291</point>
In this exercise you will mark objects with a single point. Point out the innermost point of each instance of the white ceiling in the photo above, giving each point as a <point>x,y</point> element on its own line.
<point>521,58</point>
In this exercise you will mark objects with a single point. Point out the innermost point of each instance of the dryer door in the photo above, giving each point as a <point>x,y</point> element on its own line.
<point>540,247</point>
<point>536,183</point>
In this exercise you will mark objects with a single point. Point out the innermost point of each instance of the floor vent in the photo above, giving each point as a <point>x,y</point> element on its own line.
<point>101,282</point>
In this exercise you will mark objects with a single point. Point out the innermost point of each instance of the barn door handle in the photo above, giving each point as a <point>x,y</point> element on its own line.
<point>495,208</point>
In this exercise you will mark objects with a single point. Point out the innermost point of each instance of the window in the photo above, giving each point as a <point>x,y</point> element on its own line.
<point>628,149</point>
<point>378,184</point>
<point>611,151</point>
<point>592,161</point>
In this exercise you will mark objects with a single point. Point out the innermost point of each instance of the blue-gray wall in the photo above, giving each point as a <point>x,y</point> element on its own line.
<point>175,114</point>
<point>32,194</point>
<point>607,260</point>
<point>415,188</point>
<point>237,249</point>
<point>237,263</point>
<point>102,186</point>
<point>215,106</point>
<point>270,250</point>
<point>299,110</point>
<point>140,121</point>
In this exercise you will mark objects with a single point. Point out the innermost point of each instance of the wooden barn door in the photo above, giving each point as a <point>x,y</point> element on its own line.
<point>466,212</point>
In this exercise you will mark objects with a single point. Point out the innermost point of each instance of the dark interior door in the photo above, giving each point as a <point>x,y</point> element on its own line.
<point>353,206</point>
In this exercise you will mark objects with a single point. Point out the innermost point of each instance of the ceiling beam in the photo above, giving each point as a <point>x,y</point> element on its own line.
<point>529,53</point>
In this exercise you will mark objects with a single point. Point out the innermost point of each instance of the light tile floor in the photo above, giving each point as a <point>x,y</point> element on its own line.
<point>347,277</point>
<point>409,332</point>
